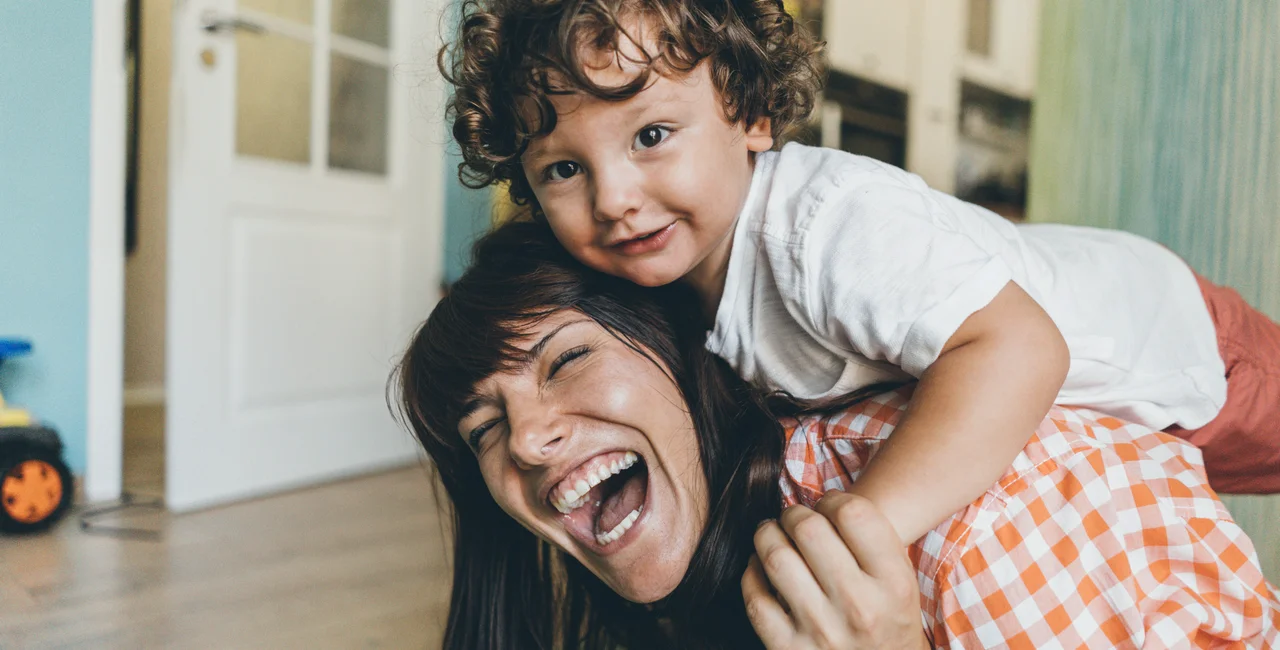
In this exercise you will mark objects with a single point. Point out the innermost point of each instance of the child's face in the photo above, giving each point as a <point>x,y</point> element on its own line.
<point>647,188</point>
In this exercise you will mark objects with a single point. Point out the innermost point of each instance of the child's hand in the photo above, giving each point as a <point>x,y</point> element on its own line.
<point>833,579</point>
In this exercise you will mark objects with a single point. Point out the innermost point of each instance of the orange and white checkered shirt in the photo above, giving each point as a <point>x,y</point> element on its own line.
<point>1103,534</point>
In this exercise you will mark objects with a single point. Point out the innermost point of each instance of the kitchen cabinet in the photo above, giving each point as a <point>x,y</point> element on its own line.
<point>928,49</point>
<point>1008,61</point>
<point>874,39</point>
<point>933,108</point>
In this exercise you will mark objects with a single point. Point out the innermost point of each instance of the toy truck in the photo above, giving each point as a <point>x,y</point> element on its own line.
<point>35,483</point>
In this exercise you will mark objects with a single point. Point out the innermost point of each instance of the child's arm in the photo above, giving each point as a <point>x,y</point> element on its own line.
<point>973,411</point>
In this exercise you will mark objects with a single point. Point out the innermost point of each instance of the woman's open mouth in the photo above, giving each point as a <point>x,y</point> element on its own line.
<point>603,498</point>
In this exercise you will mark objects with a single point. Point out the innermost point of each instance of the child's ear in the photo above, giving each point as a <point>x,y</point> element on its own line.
<point>760,135</point>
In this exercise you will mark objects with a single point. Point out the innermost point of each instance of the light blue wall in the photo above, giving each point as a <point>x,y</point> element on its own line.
<point>45,72</point>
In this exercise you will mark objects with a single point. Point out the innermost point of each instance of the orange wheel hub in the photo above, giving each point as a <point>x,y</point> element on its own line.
<point>31,491</point>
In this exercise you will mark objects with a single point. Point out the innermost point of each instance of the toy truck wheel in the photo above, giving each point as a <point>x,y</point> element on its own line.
<point>35,491</point>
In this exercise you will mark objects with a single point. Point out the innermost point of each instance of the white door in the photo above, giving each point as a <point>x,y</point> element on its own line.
<point>304,237</point>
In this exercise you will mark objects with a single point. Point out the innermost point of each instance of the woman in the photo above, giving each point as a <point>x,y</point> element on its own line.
<point>608,476</point>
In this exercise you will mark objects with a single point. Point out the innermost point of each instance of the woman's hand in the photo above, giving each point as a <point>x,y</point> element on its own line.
<point>832,578</point>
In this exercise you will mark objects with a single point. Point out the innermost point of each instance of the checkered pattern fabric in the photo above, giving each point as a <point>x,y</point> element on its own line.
<point>1103,534</point>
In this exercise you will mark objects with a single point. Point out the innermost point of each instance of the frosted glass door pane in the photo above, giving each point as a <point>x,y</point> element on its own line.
<point>273,97</point>
<point>295,10</point>
<point>358,115</point>
<point>978,40</point>
<point>365,20</point>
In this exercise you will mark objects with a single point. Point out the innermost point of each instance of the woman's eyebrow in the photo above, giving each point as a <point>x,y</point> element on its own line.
<point>476,402</point>
<point>537,349</point>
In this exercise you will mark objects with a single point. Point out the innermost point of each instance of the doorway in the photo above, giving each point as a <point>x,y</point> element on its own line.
<point>262,321</point>
<point>149,37</point>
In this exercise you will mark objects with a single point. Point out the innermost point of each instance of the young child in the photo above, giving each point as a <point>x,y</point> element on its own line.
<point>644,134</point>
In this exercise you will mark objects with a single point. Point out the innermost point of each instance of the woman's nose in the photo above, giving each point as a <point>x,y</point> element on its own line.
<point>618,192</point>
<point>534,441</point>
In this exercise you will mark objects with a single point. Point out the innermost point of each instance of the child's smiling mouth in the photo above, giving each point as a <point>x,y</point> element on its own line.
<point>645,243</point>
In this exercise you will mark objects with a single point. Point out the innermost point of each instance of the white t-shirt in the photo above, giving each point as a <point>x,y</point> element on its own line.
<point>846,271</point>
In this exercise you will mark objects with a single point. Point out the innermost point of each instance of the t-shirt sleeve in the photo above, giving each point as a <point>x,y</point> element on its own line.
<point>891,273</point>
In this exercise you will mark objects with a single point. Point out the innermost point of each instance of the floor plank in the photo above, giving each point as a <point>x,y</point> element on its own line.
<point>359,564</point>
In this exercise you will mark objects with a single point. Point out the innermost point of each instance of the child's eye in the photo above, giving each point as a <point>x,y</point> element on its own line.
<point>651,136</point>
<point>563,170</point>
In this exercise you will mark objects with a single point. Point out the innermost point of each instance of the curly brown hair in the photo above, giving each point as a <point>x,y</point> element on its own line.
<point>511,56</point>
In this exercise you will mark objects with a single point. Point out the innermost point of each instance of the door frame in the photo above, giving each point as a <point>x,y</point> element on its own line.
<point>103,477</point>
<point>107,151</point>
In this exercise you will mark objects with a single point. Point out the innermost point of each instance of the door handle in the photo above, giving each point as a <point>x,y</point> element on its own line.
<point>212,23</point>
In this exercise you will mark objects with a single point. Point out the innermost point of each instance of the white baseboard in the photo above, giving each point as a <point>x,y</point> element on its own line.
<point>144,395</point>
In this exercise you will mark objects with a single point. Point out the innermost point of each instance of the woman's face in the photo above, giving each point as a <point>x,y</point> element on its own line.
<point>590,446</point>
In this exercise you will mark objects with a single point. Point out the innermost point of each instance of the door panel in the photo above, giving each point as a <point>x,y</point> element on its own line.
<point>285,275</point>
<point>305,238</point>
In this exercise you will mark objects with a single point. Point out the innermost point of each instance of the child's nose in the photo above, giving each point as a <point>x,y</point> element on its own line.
<point>618,193</point>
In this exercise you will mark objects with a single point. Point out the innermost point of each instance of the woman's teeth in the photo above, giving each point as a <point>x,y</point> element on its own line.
<point>622,527</point>
<point>575,497</point>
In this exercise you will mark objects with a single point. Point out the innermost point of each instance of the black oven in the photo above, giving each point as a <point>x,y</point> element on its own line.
<point>869,119</point>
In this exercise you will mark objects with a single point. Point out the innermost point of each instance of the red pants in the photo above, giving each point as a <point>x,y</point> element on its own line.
<point>1241,446</point>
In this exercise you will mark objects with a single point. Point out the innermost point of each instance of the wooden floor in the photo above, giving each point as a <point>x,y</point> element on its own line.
<point>358,564</point>
<point>350,565</point>
<point>1259,516</point>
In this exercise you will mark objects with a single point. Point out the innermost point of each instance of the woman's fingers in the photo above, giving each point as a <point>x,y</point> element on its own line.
<point>824,551</point>
<point>792,579</point>
<point>868,535</point>
<point>771,622</point>
<point>817,563</point>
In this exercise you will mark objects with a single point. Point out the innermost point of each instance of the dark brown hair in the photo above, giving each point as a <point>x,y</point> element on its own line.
<point>512,591</point>
<point>511,56</point>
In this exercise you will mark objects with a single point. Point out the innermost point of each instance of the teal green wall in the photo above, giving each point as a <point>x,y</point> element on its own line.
<point>467,212</point>
<point>1163,118</point>
<point>467,215</point>
<point>45,68</point>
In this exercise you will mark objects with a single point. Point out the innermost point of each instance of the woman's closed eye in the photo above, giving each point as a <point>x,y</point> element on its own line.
<point>476,435</point>
<point>565,358</point>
